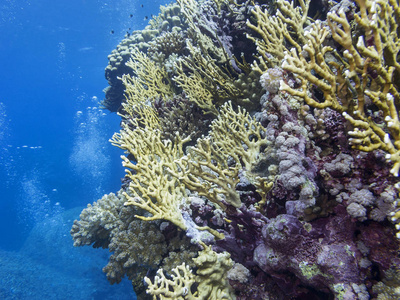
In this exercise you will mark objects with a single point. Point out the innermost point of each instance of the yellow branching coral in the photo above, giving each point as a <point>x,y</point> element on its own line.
<point>276,31</point>
<point>366,73</point>
<point>272,42</point>
<point>151,187</point>
<point>235,137</point>
<point>178,288</point>
<point>239,136</point>
<point>190,8</point>
<point>207,84</point>
<point>212,274</point>
<point>379,20</point>
<point>207,76</point>
<point>144,116</point>
<point>205,171</point>
<point>211,278</point>
<point>196,90</point>
<point>295,17</point>
<point>150,81</point>
<point>314,70</point>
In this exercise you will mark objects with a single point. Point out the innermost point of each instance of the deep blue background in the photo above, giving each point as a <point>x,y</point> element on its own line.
<point>54,149</point>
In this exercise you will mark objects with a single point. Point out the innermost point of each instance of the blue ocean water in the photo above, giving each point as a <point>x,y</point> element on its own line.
<point>54,151</point>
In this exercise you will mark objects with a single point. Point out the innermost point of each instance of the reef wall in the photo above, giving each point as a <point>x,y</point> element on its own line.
<point>261,143</point>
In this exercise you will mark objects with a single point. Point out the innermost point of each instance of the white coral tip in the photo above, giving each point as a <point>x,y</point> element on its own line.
<point>360,42</point>
<point>281,84</point>
<point>386,140</point>
<point>395,171</point>
<point>373,7</point>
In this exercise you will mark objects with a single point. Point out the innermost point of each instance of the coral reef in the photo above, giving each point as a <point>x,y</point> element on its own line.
<point>210,278</point>
<point>274,179</point>
<point>170,19</point>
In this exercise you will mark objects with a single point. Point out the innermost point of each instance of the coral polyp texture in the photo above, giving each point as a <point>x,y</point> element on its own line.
<point>261,144</point>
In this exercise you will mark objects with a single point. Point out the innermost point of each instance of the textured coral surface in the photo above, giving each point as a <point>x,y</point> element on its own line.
<point>261,144</point>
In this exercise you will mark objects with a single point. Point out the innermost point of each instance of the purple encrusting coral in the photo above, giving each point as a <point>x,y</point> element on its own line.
<point>271,180</point>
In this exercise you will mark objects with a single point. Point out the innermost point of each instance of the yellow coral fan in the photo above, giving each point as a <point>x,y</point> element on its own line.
<point>287,25</point>
<point>233,136</point>
<point>190,8</point>
<point>151,187</point>
<point>365,73</point>
<point>205,171</point>
<point>195,87</point>
<point>150,81</point>
<point>208,84</point>
<point>314,70</point>
<point>207,76</point>
<point>238,135</point>
<point>211,278</point>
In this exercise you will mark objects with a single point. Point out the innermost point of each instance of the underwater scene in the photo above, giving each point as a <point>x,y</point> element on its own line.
<point>209,149</point>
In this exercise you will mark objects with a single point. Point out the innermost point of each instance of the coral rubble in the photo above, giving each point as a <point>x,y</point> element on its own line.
<point>261,149</point>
